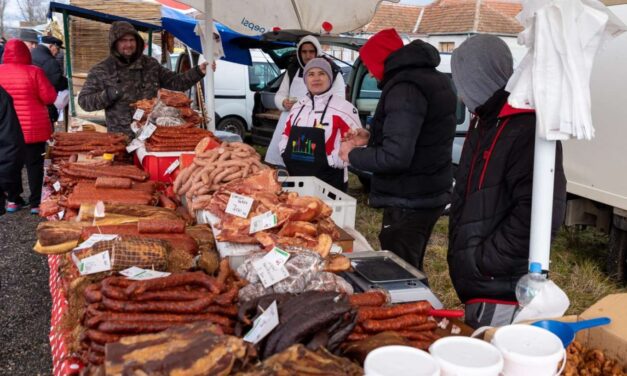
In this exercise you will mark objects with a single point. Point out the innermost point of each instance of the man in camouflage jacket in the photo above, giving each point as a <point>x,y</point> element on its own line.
<point>127,76</point>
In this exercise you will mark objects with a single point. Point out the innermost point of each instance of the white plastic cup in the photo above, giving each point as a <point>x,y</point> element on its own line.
<point>400,361</point>
<point>466,356</point>
<point>529,350</point>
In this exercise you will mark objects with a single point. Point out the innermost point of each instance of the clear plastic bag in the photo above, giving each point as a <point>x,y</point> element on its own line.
<point>162,110</point>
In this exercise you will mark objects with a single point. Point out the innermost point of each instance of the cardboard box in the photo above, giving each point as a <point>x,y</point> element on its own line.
<point>345,241</point>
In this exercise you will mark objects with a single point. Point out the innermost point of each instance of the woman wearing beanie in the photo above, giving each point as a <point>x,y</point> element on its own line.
<point>315,127</point>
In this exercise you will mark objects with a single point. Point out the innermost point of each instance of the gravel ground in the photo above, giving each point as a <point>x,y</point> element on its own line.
<point>24,298</point>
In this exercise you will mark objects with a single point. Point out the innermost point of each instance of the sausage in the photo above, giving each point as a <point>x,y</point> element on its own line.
<point>427,326</point>
<point>367,313</point>
<point>156,317</point>
<point>224,270</point>
<point>195,306</point>
<point>93,294</point>
<point>228,297</point>
<point>166,202</point>
<point>113,182</point>
<point>100,337</point>
<point>160,226</point>
<point>195,278</point>
<point>421,336</point>
<point>357,336</point>
<point>172,295</point>
<point>230,310</point>
<point>396,323</point>
<point>97,347</point>
<point>368,299</point>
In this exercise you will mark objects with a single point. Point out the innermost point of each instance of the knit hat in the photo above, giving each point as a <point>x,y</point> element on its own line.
<point>321,63</point>
<point>377,49</point>
<point>480,66</point>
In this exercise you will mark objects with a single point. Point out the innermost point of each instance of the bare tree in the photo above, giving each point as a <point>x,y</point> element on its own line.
<point>33,11</point>
<point>3,5</point>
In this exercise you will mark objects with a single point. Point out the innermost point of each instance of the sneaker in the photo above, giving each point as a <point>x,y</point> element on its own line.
<point>12,207</point>
<point>34,211</point>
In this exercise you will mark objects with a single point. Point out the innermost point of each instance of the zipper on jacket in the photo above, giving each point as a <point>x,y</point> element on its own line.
<point>475,154</point>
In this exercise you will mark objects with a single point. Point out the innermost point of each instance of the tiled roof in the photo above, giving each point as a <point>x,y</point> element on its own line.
<point>449,16</point>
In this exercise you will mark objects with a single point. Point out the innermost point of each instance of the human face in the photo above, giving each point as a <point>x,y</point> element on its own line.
<point>126,46</point>
<point>307,52</point>
<point>54,50</point>
<point>317,81</point>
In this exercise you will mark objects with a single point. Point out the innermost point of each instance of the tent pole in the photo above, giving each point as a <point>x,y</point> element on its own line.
<point>68,60</point>
<point>542,201</point>
<point>209,98</point>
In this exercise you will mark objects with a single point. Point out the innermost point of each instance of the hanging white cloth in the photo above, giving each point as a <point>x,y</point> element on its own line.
<point>563,37</point>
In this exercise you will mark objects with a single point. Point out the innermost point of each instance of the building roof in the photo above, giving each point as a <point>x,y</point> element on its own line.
<point>449,17</point>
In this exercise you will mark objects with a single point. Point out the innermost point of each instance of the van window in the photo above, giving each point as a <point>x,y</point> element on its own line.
<point>259,74</point>
<point>369,89</point>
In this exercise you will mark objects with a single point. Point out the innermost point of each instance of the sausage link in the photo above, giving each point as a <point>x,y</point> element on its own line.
<point>396,323</point>
<point>368,313</point>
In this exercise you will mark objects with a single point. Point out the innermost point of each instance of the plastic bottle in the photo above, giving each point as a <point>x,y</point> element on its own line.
<point>530,284</point>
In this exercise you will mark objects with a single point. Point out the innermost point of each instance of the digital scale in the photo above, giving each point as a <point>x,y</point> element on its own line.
<point>385,270</point>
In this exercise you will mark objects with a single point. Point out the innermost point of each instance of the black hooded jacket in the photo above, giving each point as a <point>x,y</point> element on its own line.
<point>490,214</point>
<point>409,151</point>
<point>11,140</point>
<point>42,57</point>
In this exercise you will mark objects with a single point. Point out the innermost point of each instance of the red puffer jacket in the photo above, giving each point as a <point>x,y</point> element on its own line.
<point>30,89</point>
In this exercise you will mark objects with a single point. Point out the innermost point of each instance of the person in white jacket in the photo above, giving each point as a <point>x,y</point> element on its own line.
<point>293,88</point>
<point>315,127</point>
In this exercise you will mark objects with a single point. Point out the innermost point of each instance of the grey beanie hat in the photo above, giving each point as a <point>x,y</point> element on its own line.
<point>480,66</point>
<point>29,35</point>
<point>321,63</point>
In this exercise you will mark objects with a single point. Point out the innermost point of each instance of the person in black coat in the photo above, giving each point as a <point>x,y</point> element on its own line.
<point>11,146</point>
<point>44,57</point>
<point>409,150</point>
<point>490,216</point>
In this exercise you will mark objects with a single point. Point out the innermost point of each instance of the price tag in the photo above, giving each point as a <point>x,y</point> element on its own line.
<point>172,167</point>
<point>263,222</point>
<point>56,186</point>
<point>139,113</point>
<point>270,267</point>
<point>94,264</point>
<point>147,131</point>
<point>95,238</point>
<point>140,274</point>
<point>134,145</point>
<point>134,127</point>
<point>50,142</point>
<point>239,205</point>
<point>61,214</point>
<point>264,324</point>
<point>99,210</point>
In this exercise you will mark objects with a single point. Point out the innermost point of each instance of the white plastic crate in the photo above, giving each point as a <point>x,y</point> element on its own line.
<point>344,206</point>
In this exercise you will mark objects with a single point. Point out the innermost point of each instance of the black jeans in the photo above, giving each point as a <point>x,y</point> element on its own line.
<point>406,232</point>
<point>34,161</point>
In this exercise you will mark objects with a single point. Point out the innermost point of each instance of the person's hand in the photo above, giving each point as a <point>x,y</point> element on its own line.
<point>359,137</point>
<point>203,67</point>
<point>287,104</point>
<point>345,148</point>
<point>113,94</point>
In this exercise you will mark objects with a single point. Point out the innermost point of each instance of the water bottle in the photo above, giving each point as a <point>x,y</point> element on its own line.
<point>530,284</point>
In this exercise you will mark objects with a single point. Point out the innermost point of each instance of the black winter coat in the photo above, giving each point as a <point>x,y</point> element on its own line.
<point>11,140</point>
<point>409,151</point>
<point>489,221</point>
<point>43,59</point>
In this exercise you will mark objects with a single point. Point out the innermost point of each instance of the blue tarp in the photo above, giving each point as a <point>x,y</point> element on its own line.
<point>182,27</point>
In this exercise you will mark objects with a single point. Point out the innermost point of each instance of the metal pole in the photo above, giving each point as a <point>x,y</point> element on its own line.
<point>150,43</point>
<point>542,201</point>
<point>68,60</point>
<point>209,98</point>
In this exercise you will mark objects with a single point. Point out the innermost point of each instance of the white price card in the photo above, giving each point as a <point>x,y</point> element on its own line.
<point>95,238</point>
<point>263,222</point>
<point>172,167</point>
<point>134,145</point>
<point>140,274</point>
<point>147,131</point>
<point>271,267</point>
<point>99,210</point>
<point>135,127</point>
<point>239,205</point>
<point>139,113</point>
<point>61,214</point>
<point>56,186</point>
<point>94,264</point>
<point>263,325</point>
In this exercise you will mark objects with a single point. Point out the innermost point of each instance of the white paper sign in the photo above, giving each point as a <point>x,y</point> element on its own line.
<point>263,222</point>
<point>140,274</point>
<point>134,145</point>
<point>270,267</point>
<point>139,113</point>
<point>61,214</point>
<point>99,210</point>
<point>239,205</point>
<point>264,324</point>
<point>172,167</point>
<point>56,186</point>
<point>94,264</point>
<point>95,238</point>
<point>147,131</point>
<point>134,127</point>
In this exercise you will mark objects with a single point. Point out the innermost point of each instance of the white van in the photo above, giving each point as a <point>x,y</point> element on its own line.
<point>235,86</point>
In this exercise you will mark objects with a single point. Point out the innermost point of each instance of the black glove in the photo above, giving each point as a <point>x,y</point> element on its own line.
<point>113,94</point>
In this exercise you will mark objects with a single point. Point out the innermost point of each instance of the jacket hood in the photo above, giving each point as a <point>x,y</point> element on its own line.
<point>377,49</point>
<point>308,39</point>
<point>117,31</point>
<point>417,54</point>
<point>16,52</point>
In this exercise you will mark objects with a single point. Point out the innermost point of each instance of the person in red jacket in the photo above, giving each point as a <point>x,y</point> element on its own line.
<point>31,92</point>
